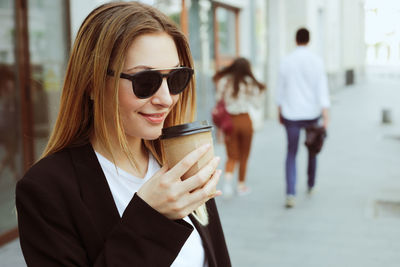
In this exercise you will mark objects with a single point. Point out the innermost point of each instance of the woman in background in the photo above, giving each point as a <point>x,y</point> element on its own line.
<point>241,91</point>
<point>101,194</point>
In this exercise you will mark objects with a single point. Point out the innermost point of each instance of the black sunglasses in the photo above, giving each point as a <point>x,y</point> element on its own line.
<point>146,83</point>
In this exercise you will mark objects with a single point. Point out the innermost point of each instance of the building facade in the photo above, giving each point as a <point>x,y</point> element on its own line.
<point>34,44</point>
<point>336,34</point>
<point>36,36</point>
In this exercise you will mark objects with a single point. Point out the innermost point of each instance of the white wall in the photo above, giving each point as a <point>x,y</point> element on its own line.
<point>295,17</point>
<point>333,47</point>
<point>353,52</point>
<point>337,35</point>
<point>277,40</point>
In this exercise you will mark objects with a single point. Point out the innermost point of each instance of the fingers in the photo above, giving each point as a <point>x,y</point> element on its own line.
<point>149,190</point>
<point>211,187</point>
<point>280,119</point>
<point>174,198</point>
<point>207,192</point>
<point>188,161</point>
<point>202,176</point>
<point>202,186</point>
<point>160,172</point>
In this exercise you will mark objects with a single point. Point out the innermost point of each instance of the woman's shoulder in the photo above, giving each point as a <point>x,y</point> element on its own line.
<point>223,81</point>
<point>53,169</point>
<point>248,86</point>
<point>250,81</point>
<point>50,185</point>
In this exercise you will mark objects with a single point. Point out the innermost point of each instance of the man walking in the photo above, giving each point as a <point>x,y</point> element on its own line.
<point>302,99</point>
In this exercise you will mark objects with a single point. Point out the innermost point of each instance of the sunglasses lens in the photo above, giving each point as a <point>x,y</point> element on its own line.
<point>178,80</point>
<point>146,83</point>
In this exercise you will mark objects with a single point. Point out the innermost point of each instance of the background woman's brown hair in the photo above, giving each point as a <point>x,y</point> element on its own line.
<point>240,69</point>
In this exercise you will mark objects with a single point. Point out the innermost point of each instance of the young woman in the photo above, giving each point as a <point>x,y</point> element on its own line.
<point>99,196</point>
<point>241,91</point>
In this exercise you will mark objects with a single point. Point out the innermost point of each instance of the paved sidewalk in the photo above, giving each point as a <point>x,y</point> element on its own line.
<point>352,219</point>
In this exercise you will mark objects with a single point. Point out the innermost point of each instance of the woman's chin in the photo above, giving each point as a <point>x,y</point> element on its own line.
<point>152,136</point>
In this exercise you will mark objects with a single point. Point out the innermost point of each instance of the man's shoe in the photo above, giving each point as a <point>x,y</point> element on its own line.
<point>290,201</point>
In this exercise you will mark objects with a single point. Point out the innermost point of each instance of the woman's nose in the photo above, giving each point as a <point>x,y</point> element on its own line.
<point>163,96</point>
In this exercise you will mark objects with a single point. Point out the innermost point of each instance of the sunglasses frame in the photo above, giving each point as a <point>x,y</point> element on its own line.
<point>131,77</point>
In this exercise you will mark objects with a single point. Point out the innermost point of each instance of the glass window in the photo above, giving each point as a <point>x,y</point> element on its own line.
<point>10,137</point>
<point>226,31</point>
<point>226,34</point>
<point>48,54</point>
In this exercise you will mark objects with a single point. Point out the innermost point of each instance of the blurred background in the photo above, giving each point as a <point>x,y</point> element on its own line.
<point>359,41</point>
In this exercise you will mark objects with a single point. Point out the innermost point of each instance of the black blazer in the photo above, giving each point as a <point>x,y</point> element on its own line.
<point>67,217</point>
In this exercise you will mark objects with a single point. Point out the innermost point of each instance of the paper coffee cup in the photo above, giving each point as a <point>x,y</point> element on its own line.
<point>180,140</point>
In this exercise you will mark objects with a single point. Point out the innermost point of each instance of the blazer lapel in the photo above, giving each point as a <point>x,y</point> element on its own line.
<point>95,191</point>
<point>207,243</point>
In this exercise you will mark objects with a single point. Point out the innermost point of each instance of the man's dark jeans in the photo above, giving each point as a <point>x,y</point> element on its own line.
<point>293,132</point>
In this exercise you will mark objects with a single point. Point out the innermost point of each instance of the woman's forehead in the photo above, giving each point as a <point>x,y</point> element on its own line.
<point>155,50</point>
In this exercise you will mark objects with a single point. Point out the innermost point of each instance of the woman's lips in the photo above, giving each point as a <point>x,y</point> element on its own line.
<point>154,117</point>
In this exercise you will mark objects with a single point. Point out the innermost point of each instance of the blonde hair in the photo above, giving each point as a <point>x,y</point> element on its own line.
<point>101,44</point>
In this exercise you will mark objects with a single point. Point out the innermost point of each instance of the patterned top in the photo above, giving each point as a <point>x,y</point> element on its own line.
<point>249,95</point>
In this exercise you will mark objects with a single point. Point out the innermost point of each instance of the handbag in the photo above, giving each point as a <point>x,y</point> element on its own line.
<point>221,117</point>
<point>315,136</point>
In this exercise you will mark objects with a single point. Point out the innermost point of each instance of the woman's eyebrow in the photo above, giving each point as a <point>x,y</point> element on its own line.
<point>139,67</point>
<point>144,67</point>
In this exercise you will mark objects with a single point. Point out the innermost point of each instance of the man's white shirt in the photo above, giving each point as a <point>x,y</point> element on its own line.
<point>302,90</point>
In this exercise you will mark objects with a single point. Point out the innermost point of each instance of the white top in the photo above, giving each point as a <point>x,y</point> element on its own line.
<point>302,85</point>
<point>124,185</point>
<point>249,96</point>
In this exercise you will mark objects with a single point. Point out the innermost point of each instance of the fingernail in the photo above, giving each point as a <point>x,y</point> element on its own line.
<point>218,193</point>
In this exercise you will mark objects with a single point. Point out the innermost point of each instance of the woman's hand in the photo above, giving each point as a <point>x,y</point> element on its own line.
<point>325,118</point>
<point>174,198</point>
<point>280,117</point>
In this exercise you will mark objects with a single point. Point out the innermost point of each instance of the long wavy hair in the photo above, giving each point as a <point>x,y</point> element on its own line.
<point>101,44</point>
<point>240,69</point>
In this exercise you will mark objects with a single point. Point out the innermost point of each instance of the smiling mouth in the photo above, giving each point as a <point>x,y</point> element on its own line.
<point>154,118</point>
